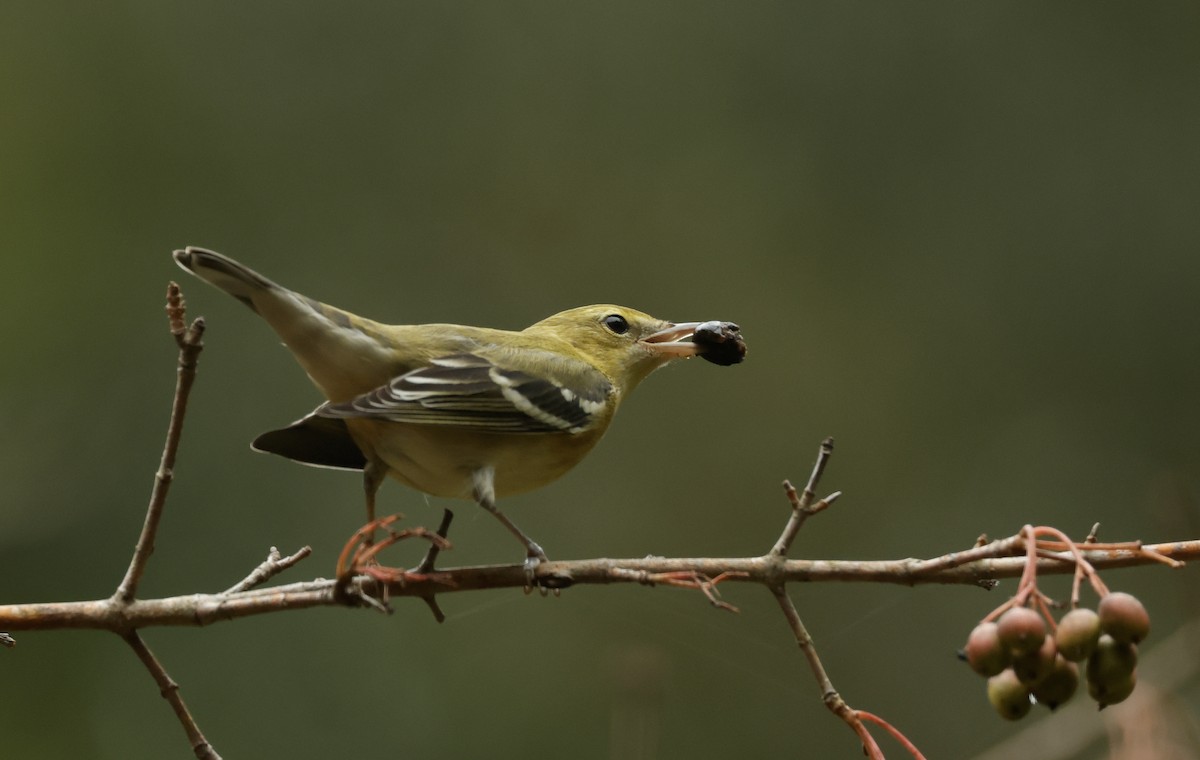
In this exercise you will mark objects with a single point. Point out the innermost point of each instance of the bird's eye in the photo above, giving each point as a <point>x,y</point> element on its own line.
<point>616,323</point>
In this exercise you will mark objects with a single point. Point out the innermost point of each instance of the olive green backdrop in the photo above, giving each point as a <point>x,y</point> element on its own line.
<point>961,237</point>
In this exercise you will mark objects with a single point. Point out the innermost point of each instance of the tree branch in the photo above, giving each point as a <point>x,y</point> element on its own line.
<point>205,609</point>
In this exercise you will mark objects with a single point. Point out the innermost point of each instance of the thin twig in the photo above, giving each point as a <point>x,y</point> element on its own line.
<point>190,345</point>
<point>427,564</point>
<point>273,565</point>
<point>829,695</point>
<point>999,548</point>
<point>893,732</point>
<point>367,553</point>
<point>170,692</point>
<point>684,579</point>
<point>802,503</point>
<point>1082,565</point>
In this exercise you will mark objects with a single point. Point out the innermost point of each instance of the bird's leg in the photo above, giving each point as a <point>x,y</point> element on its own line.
<point>360,543</point>
<point>485,496</point>
<point>373,474</point>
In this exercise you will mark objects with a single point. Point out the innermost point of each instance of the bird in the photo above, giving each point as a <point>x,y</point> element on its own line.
<point>454,410</point>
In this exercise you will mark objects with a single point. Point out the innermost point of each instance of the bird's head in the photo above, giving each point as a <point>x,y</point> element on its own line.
<point>627,345</point>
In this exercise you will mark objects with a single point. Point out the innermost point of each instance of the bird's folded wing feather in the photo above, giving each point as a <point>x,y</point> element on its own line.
<point>474,392</point>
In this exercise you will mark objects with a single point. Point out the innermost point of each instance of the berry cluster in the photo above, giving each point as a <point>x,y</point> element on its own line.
<point>1020,658</point>
<point>1028,658</point>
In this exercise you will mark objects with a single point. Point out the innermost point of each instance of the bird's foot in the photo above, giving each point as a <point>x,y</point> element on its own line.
<point>544,582</point>
<point>534,556</point>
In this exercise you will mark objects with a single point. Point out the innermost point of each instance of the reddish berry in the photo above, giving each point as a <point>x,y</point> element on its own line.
<point>1022,630</point>
<point>1123,617</point>
<point>984,652</point>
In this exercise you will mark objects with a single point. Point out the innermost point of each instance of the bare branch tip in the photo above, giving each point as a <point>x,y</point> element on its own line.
<point>196,332</point>
<point>431,602</point>
<point>300,554</point>
<point>176,309</point>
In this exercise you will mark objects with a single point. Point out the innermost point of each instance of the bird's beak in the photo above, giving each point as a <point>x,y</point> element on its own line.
<point>718,342</point>
<point>674,341</point>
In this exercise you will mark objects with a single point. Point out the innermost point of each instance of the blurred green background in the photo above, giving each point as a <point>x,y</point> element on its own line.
<point>961,238</point>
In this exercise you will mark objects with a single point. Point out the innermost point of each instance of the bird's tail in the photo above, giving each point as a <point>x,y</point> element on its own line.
<point>344,354</point>
<point>239,281</point>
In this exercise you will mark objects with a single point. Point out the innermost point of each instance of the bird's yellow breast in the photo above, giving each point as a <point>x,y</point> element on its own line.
<point>443,460</point>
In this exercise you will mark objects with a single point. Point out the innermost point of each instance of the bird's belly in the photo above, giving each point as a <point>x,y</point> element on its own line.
<point>442,461</point>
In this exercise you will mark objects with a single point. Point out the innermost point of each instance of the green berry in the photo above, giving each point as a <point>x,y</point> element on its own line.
<point>1112,660</point>
<point>1077,634</point>
<point>1059,685</point>
<point>1110,692</point>
<point>1008,695</point>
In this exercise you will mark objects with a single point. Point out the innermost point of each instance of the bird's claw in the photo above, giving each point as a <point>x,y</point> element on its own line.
<point>531,566</point>
<point>534,557</point>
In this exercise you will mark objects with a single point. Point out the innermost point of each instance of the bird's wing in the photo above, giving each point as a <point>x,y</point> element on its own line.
<point>474,392</point>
